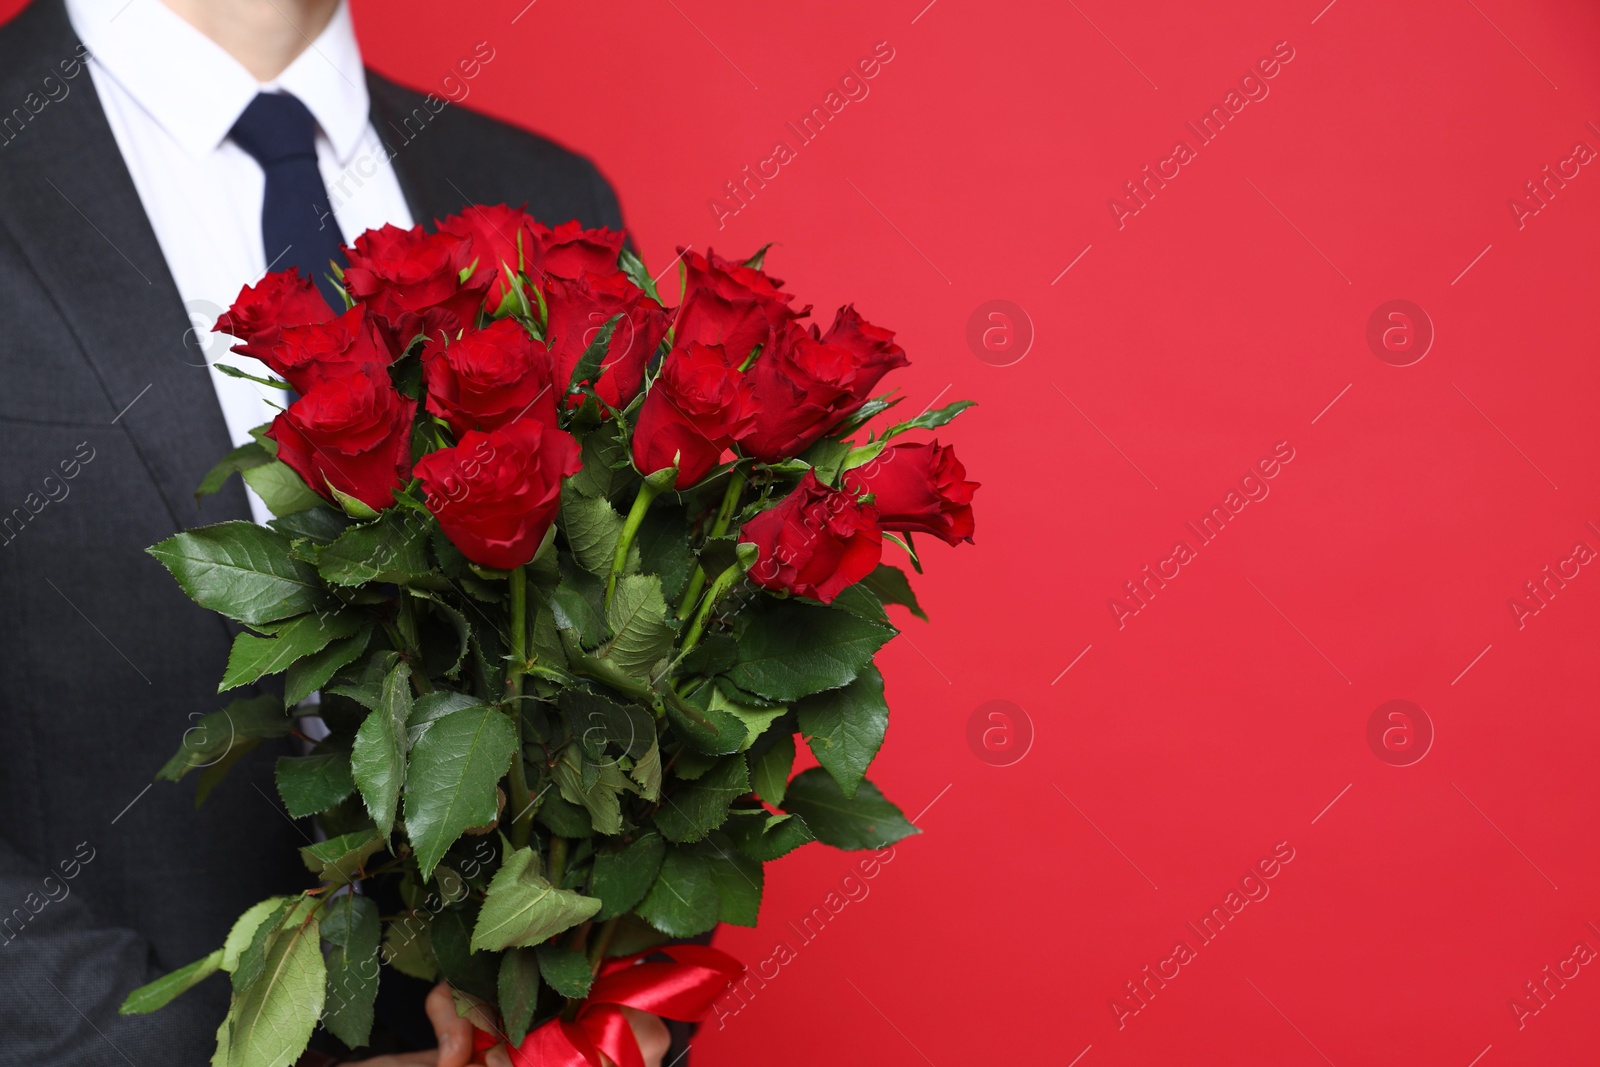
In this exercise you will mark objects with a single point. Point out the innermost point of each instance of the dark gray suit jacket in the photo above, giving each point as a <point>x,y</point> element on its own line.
<point>108,421</point>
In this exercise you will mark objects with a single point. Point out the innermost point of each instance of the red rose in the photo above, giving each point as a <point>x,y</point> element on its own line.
<point>494,232</point>
<point>570,251</point>
<point>737,325</point>
<point>921,488</point>
<point>412,280</point>
<point>495,494</point>
<point>351,432</point>
<point>698,406</point>
<point>489,377</point>
<point>811,383</point>
<point>815,542</point>
<point>736,282</point>
<point>263,310</point>
<point>577,311</point>
<point>305,355</point>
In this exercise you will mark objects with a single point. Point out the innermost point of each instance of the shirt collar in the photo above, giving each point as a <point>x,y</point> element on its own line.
<point>196,91</point>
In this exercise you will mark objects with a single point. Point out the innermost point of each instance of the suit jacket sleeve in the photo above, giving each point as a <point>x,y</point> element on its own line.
<point>63,974</point>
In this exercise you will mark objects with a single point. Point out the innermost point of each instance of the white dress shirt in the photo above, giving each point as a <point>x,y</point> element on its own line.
<point>171,95</point>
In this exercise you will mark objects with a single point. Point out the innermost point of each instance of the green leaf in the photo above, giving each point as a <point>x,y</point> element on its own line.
<point>624,875</point>
<point>710,731</point>
<point>891,586</point>
<point>769,770</point>
<point>209,741</point>
<point>573,612</point>
<point>562,818</point>
<point>253,658</point>
<point>845,727</point>
<point>684,900</point>
<point>600,797</point>
<point>638,619</point>
<point>273,1016</point>
<point>523,908</point>
<point>157,994</point>
<point>588,366</point>
<point>738,879</point>
<point>280,488</point>
<point>518,987</point>
<point>392,549</point>
<point>866,820</point>
<point>451,778</point>
<point>763,836</point>
<point>592,526</point>
<point>646,772</point>
<point>690,813</point>
<point>309,784</point>
<point>565,970</point>
<point>365,684</point>
<point>241,570</point>
<point>929,420</point>
<point>244,930</point>
<point>755,719</point>
<point>599,721</point>
<point>663,541</point>
<point>241,459</point>
<point>789,649</point>
<point>307,675</point>
<point>337,859</point>
<point>408,948</point>
<point>350,930</point>
<point>474,973</point>
<point>317,525</point>
<point>378,759</point>
<point>429,708</point>
<point>213,775</point>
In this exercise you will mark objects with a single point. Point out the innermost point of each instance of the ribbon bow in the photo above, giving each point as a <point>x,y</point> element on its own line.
<point>683,989</point>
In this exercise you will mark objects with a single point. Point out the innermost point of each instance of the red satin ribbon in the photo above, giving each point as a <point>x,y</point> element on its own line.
<point>684,989</point>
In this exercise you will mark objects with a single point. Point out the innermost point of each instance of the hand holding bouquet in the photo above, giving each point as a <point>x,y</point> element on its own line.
<point>569,570</point>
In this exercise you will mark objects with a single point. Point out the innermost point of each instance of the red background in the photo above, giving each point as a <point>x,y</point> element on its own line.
<point>1222,319</point>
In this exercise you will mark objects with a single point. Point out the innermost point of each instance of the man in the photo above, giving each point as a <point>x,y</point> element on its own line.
<point>155,156</point>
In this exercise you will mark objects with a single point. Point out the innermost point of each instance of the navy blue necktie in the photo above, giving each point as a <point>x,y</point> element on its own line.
<point>297,224</point>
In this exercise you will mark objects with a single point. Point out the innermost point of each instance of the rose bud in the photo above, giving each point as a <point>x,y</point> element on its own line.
<point>352,433</point>
<point>495,494</point>
<point>487,378</point>
<point>918,488</point>
<point>305,355</point>
<point>736,282</point>
<point>570,251</point>
<point>412,281</point>
<point>697,407</point>
<point>261,311</point>
<point>494,232</point>
<point>815,382</point>
<point>578,309</point>
<point>815,543</point>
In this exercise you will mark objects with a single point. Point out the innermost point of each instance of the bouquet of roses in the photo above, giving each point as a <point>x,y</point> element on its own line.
<point>566,571</point>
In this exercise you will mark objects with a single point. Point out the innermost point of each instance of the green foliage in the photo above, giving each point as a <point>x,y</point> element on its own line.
<point>378,761</point>
<point>522,908</point>
<point>338,859</point>
<point>149,997</point>
<point>684,900</point>
<point>688,814</point>
<point>845,727</point>
<point>565,971</point>
<point>243,571</point>
<point>210,740</point>
<point>309,784</point>
<point>865,820</point>
<point>451,779</point>
<point>622,876</point>
<point>350,933</point>
<point>790,649</point>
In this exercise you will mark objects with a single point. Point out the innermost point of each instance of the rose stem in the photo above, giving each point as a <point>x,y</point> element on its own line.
<point>718,587</point>
<point>641,504</point>
<point>730,503</point>
<point>522,825</point>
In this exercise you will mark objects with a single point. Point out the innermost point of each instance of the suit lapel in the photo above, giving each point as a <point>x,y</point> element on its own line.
<point>428,194</point>
<point>69,202</point>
